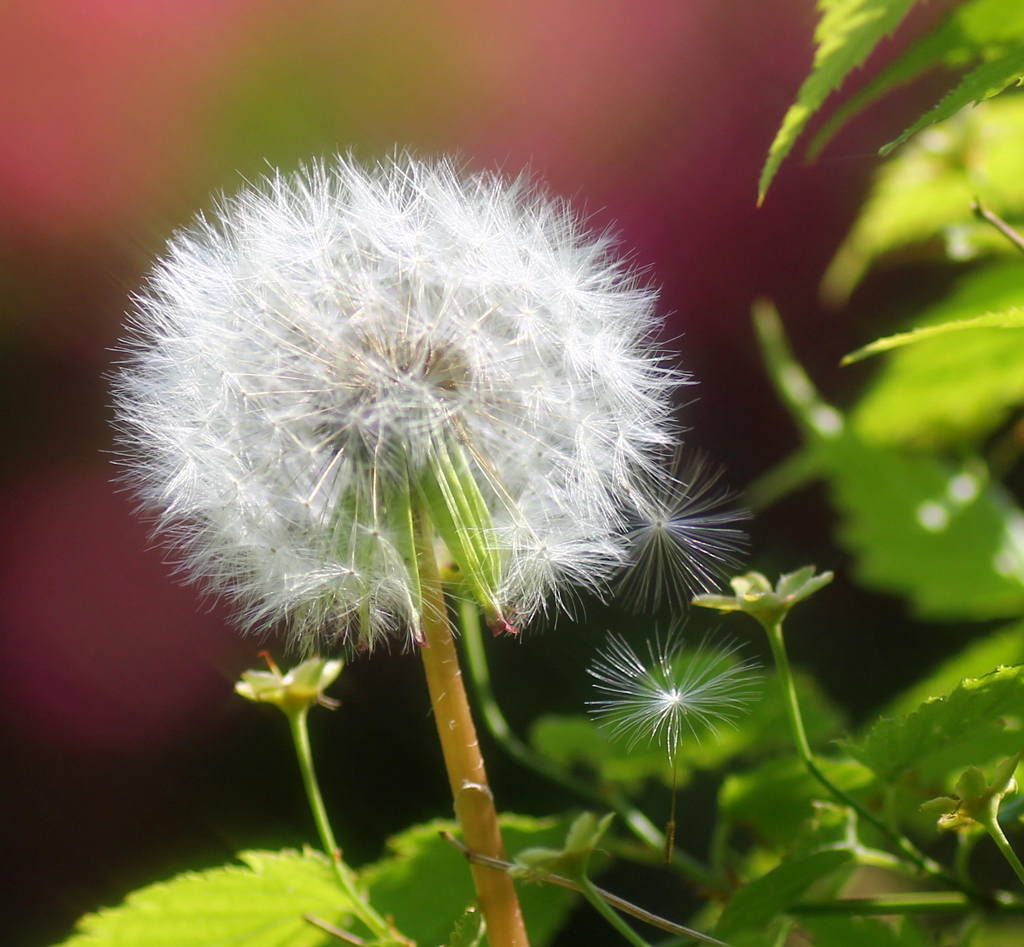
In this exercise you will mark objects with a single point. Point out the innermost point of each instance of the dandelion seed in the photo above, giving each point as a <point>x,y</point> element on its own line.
<point>677,690</point>
<point>340,353</point>
<point>681,536</point>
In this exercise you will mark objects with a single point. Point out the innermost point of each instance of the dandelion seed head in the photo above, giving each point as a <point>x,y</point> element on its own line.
<point>305,359</point>
<point>676,690</point>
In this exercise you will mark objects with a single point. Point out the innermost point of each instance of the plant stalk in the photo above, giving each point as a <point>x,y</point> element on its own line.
<point>602,907</point>
<point>346,877</point>
<point>474,803</point>
<point>990,820</point>
<point>796,722</point>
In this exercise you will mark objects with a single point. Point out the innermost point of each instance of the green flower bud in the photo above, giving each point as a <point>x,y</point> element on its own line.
<point>976,799</point>
<point>755,596</point>
<point>292,692</point>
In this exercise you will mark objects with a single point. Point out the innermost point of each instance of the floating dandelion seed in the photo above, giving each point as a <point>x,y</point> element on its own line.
<point>677,690</point>
<point>680,535</point>
<point>341,353</point>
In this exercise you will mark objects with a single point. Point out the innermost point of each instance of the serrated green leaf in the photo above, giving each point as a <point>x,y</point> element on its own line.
<point>755,904</point>
<point>952,391</point>
<point>469,929</point>
<point>846,34</point>
<point>987,80</point>
<point>978,722</point>
<point>969,33</point>
<point>775,800</point>
<point>259,905</point>
<point>922,196</point>
<point>426,883</point>
<point>1003,648</point>
<point>1010,319</point>
<point>862,931</point>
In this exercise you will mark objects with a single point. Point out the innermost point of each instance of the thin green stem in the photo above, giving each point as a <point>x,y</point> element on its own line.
<point>345,875</point>
<point>786,680</point>
<point>990,819</point>
<point>965,842</point>
<point>785,672</point>
<point>917,902</point>
<point>498,727</point>
<point>602,907</point>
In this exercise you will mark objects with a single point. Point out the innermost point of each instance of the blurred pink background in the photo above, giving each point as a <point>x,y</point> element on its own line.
<point>119,118</point>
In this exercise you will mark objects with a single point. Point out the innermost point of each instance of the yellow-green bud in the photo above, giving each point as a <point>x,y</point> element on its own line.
<point>292,692</point>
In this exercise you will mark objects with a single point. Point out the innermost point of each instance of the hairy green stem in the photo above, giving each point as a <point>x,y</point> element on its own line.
<point>345,875</point>
<point>498,727</point>
<point>906,847</point>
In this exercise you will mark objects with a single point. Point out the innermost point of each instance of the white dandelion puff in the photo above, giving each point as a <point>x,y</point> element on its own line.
<point>338,354</point>
<point>677,690</point>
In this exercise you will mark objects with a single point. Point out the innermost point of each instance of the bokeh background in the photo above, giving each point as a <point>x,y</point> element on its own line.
<point>125,756</point>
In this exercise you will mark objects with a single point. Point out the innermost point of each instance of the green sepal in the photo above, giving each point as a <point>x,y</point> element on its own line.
<point>401,516</point>
<point>459,512</point>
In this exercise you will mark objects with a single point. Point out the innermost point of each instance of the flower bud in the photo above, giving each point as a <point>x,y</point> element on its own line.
<point>293,692</point>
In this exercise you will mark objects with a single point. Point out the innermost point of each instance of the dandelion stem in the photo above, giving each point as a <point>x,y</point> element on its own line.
<point>906,847</point>
<point>642,827</point>
<point>474,803</point>
<point>346,877</point>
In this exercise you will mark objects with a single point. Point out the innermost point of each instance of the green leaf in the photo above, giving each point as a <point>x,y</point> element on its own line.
<point>774,801</point>
<point>846,34</point>
<point>860,931</point>
<point>775,935</point>
<point>977,723</point>
<point>1011,319</point>
<point>259,905</point>
<point>971,32</point>
<point>955,388</point>
<point>469,929</point>
<point>922,197</point>
<point>928,531</point>
<point>982,83</point>
<point>426,883</point>
<point>1003,648</point>
<point>756,903</point>
<point>938,535</point>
